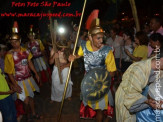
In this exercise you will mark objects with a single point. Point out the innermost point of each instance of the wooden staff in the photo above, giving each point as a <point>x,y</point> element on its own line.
<point>68,76</point>
<point>53,33</point>
<point>135,15</point>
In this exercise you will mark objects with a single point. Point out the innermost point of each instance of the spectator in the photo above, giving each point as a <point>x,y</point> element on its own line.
<point>7,106</point>
<point>116,43</point>
<point>156,41</point>
<point>141,49</point>
<point>155,26</point>
<point>128,45</point>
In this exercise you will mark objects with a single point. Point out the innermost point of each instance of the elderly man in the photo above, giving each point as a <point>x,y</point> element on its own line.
<point>129,98</point>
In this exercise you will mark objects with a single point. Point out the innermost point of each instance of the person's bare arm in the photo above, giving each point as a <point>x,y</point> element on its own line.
<point>52,57</point>
<point>132,57</point>
<point>73,57</point>
<point>34,70</point>
<point>15,86</point>
<point>6,93</point>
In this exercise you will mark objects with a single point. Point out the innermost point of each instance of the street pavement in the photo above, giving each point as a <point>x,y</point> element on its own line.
<point>50,111</point>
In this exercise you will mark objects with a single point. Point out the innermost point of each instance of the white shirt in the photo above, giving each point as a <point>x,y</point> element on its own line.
<point>116,44</point>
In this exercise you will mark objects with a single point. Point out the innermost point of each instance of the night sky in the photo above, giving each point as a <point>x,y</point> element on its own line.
<point>108,12</point>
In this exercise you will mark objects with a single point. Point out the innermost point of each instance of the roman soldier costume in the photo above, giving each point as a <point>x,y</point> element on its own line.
<point>96,96</point>
<point>16,63</point>
<point>36,47</point>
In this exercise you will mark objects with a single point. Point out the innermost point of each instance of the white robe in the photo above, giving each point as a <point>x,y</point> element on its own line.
<point>58,88</point>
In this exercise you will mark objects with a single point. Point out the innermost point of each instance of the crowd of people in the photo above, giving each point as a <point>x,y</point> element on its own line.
<point>134,61</point>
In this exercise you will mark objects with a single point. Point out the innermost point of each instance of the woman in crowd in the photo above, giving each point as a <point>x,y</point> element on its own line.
<point>128,45</point>
<point>141,49</point>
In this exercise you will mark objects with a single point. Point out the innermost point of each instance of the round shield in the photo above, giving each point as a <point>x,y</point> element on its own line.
<point>95,84</point>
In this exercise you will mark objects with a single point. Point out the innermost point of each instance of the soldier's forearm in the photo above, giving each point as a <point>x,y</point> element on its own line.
<point>32,66</point>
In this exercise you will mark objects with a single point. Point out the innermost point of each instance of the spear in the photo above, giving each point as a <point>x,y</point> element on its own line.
<point>135,15</point>
<point>68,77</point>
<point>53,33</point>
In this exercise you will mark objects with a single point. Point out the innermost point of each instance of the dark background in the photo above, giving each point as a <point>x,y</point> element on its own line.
<point>109,10</point>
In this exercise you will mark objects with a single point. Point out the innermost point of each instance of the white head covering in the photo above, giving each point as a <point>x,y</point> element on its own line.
<point>156,90</point>
<point>1,120</point>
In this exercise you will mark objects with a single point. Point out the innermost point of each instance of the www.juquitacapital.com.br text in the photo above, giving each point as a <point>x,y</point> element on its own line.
<point>40,15</point>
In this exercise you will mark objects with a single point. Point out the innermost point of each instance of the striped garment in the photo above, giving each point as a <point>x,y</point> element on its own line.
<point>39,64</point>
<point>133,81</point>
<point>28,87</point>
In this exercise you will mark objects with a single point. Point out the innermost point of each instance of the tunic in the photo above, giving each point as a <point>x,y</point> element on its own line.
<point>16,63</point>
<point>92,59</point>
<point>36,47</point>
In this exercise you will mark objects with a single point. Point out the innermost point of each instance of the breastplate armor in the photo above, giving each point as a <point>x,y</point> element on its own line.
<point>95,59</point>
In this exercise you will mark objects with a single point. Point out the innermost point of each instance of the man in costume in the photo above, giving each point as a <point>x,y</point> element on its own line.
<point>37,49</point>
<point>96,54</point>
<point>17,65</point>
<point>57,88</point>
<point>129,97</point>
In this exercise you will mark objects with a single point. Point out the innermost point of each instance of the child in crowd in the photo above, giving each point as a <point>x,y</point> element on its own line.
<point>128,46</point>
<point>58,88</point>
